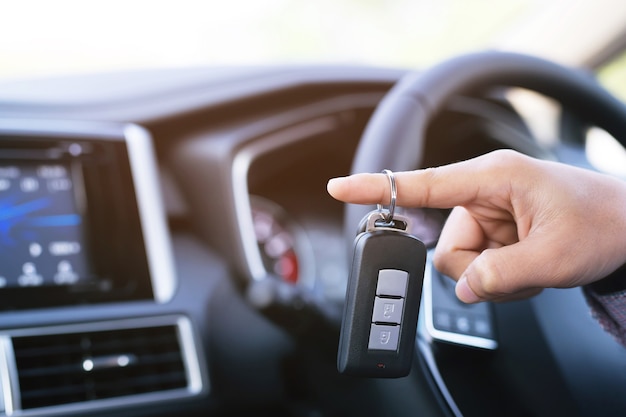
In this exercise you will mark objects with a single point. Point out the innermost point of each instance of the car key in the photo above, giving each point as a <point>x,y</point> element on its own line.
<point>382,300</point>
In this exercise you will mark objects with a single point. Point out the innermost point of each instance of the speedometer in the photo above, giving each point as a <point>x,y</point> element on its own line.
<point>283,245</point>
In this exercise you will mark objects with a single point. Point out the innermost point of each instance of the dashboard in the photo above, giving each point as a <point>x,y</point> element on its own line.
<point>167,247</point>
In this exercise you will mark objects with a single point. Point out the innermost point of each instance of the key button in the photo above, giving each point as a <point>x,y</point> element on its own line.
<point>387,310</point>
<point>384,337</point>
<point>392,282</point>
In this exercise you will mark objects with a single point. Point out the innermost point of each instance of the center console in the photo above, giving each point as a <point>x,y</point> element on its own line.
<point>86,274</point>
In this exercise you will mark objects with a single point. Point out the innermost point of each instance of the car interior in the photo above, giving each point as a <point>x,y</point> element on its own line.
<point>168,247</point>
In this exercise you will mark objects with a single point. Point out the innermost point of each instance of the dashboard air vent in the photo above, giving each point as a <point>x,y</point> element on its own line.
<point>55,369</point>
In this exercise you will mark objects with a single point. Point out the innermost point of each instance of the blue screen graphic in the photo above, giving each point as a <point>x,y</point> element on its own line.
<point>41,228</point>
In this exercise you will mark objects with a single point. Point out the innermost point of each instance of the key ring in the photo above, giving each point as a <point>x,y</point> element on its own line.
<point>388,218</point>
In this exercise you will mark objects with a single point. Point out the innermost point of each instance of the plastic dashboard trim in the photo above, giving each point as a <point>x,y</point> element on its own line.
<point>320,118</point>
<point>152,213</point>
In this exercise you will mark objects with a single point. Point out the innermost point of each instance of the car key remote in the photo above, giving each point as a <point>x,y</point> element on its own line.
<point>382,300</point>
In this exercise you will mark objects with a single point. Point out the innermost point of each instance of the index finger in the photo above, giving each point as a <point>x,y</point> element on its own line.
<point>442,187</point>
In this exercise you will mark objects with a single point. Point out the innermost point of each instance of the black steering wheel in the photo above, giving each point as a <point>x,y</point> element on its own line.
<point>394,137</point>
<point>586,359</point>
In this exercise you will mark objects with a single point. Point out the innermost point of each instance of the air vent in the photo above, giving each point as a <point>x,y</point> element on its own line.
<point>55,369</point>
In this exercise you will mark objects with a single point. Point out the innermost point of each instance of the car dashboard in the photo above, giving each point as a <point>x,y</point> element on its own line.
<point>187,259</point>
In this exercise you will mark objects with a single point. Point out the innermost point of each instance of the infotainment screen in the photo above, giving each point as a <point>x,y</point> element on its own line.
<point>42,228</point>
<point>80,216</point>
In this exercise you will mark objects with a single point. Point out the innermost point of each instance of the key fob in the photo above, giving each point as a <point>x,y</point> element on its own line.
<point>382,300</point>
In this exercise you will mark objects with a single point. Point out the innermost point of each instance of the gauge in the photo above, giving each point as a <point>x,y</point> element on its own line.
<point>285,248</point>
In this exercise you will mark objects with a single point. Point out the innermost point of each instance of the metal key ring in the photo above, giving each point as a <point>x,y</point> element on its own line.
<point>392,201</point>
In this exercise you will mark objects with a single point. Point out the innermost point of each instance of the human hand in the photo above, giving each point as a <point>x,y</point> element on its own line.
<point>518,225</point>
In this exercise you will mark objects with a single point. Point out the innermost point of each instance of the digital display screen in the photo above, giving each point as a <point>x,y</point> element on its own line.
<point>42,231</point>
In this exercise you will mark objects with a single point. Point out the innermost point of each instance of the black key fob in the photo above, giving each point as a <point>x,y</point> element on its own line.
<point>382,300</point>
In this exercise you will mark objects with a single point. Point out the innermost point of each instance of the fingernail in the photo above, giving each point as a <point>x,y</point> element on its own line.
<point>332,184</point>
<point>464,292</point>
<point>333,181</point>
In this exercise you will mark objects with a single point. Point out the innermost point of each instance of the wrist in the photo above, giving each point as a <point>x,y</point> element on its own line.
<point>613,283</point>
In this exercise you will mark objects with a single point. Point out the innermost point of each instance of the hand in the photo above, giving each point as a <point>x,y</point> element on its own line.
<point>518,225</point>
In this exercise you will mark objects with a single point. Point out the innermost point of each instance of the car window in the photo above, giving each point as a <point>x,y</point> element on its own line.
<point>603,150</point>
<point>613,75</point>
<point>39,37</point>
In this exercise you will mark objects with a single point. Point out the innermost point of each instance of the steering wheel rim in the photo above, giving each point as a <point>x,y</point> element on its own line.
<point>394,136</point>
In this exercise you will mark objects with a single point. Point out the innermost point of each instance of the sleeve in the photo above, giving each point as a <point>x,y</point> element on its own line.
<point>607,299</point>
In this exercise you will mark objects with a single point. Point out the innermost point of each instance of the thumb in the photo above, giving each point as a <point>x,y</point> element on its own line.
<point>464,292</point>
<point>503,274</point>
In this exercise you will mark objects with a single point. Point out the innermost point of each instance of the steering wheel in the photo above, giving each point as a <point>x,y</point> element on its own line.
<point>395,139</point>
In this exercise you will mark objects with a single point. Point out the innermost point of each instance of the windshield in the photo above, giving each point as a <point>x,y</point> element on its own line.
<point>42,38</point>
